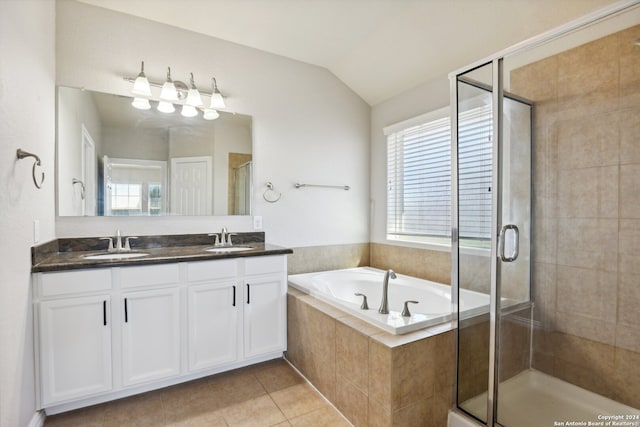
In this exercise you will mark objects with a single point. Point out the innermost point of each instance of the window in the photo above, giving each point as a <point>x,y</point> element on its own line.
<point>419,177</point>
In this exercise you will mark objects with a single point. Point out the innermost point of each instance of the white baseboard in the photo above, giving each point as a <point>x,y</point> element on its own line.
<point>38,419</point>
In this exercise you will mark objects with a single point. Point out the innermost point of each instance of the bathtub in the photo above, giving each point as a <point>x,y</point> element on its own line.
<point>434,299</point>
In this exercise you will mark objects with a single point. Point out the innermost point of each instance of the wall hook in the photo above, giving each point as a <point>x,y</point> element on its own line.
<point>24,154</point>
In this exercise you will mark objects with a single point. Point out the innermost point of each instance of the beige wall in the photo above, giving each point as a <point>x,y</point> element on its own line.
<point>587,210</point>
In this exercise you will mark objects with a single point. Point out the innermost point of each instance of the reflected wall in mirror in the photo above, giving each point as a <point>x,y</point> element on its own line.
<point>115,160</point>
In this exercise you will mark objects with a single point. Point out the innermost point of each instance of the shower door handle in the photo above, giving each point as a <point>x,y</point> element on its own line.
<point>516,242</point>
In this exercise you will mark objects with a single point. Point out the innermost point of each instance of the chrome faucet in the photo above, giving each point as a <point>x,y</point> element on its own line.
<point>384,305</point>
<point>223,238</point>
<point>118,246</point>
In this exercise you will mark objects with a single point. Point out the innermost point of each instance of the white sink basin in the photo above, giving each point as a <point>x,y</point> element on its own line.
<point>225,249</point>
<point>123,255</point>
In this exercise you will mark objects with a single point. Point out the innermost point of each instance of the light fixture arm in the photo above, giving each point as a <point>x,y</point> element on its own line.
<point>180,86</point>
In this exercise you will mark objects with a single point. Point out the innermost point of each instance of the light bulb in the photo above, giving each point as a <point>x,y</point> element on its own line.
<point>217,101</point>
<point>169,92</point>
<point>210,114</point>
<point>141,103</point>
<point>189,111</point>
<point>193,96</point>
<point>216,97</point>
<point>166,107</point>
<point>141,85</point>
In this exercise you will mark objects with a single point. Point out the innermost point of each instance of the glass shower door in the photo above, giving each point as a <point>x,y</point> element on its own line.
<point>472,244</point>
<point>493,222</point>
<point>514,258</point>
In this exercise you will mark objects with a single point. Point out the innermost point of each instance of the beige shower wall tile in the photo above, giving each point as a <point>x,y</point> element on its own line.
<point>588,192</point>
<point>544,293</point>
<point>526,81</point>
<point>587,292</point>
<point>422,263</point>
<point>627,39</point>
<point>630,80</point>
<point>587,86</point>
<point>629,249</point>
<point>628,337</point>
<point>545,240</point>
<point>331,257</point>
<point>629,300</point>
<point>581,326</point>
<point>588,243</point>
<point>588,141</point>
<point>630,191</point>
<point>627,377</point>
<point>629,125</point>
<point>584,352</point>
<point>602,50</point>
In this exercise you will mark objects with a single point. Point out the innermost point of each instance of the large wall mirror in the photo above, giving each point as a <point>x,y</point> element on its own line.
<point>115,160</point>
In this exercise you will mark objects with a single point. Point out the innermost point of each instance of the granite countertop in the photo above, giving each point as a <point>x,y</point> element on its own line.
<point>68,254</point>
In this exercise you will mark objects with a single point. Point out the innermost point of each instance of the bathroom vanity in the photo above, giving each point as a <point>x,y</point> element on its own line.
<point>106,329</point>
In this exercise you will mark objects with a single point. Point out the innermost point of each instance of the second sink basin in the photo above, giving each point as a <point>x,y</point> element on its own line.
<point>224,249</point>
<point>121,255</point>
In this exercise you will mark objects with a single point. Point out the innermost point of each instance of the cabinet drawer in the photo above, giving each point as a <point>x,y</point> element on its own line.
<point>159,274</point>
<point>264,265</point>
<point>76,281</point>
<point>212,270</point>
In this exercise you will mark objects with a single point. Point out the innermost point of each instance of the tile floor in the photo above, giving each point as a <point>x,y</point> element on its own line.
<point>268,394</point>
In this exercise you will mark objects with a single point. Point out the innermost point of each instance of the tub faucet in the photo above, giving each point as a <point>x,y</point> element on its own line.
<point>384,305</point>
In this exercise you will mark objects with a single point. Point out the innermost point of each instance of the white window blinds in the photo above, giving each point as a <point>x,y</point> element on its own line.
<point>419,178</point>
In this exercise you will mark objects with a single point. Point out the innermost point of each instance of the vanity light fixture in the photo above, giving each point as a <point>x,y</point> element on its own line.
<point>141,103</point>
<point>210,114</point>
<point>168,95</point>
<point>176,92</point>
<point>193,100</point>
<point>217,101</point>
<point>141,85</point>
<point>142,89</point>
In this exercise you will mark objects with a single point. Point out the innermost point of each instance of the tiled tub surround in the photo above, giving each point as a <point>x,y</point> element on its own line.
<point>374,378</point>
<point>586,272</point>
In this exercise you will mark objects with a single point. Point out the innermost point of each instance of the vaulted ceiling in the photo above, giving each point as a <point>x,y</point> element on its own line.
<point>379,48</point>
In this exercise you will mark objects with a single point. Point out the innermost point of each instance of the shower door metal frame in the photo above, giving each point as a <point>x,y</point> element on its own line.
<point>496,214</point>
<point>496,61</point>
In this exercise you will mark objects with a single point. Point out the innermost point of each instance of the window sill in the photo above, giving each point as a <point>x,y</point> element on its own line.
<point>440,244</point>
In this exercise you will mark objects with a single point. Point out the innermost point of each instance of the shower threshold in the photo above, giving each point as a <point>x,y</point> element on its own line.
<point>535,399</point>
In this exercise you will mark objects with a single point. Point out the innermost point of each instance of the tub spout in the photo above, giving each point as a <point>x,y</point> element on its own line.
<point>384,305</point>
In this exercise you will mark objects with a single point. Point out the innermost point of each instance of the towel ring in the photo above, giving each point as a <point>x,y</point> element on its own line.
<point>75,181</point>
<point>23,154</point>
<point>271,195</point>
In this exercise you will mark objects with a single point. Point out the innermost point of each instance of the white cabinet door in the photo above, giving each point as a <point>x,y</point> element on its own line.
<point>75,348</point>
<point>150,335</point>
<point>213,324</point>
<point>264,315</point>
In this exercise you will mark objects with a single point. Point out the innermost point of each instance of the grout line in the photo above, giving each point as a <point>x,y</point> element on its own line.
<point>317,391</point>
